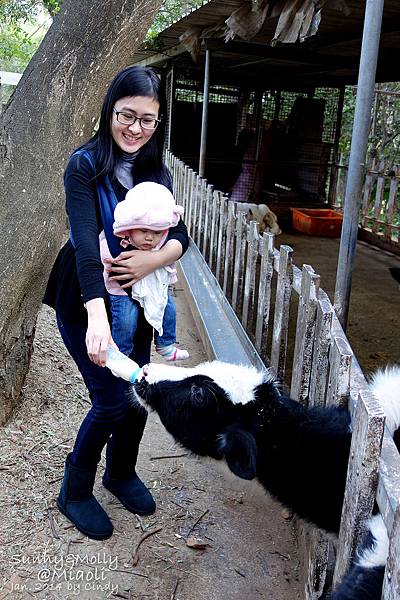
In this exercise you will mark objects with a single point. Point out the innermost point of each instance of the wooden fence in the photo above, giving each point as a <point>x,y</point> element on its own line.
<point>294,328</point>
<point>380,205</point>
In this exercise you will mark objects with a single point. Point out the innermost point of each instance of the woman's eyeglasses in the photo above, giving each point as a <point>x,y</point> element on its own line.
<point>144,122</point>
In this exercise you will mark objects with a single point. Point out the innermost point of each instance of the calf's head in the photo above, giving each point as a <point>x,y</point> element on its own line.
<point>201,417</point>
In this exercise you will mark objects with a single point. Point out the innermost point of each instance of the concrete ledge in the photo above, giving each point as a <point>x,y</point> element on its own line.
<point>9,78</point>
<point>220,330</point>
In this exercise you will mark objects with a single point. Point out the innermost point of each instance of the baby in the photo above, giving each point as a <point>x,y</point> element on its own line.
<point>143,220</point>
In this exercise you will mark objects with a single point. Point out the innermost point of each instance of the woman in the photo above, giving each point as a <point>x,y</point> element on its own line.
<point>126,150</point>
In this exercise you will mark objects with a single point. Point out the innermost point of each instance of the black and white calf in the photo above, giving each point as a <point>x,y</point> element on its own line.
<point>365,578</point>
<point>237,413</point>
<point>298,454</point>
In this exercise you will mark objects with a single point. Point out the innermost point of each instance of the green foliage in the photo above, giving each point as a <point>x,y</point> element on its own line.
<point>170,12</point>
<point>384,138</point>
<point>347,119</point>
<point>20,35</point>
<point>21,32</point>
<point>52,6</point>
<point>14,11</point>
<point>16,47</point>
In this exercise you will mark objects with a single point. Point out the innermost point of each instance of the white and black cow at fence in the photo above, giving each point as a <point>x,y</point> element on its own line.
<point>298,454</point>
<point>364,579</point>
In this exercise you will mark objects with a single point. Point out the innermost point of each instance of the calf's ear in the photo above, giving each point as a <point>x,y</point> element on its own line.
<point>240,451</point>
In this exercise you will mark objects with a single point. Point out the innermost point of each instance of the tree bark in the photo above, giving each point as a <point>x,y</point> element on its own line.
<point>53,110</point>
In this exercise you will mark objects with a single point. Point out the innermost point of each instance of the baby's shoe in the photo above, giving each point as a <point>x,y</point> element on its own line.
<point>172,353</point>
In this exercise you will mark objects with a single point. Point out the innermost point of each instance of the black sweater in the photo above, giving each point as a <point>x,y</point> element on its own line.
<point>77,274</point>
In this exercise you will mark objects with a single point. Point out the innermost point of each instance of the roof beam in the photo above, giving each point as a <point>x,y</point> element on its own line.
<point>161,56</point>
<point>354,36</point>
<point>293,54</point>
<point>271,80</point>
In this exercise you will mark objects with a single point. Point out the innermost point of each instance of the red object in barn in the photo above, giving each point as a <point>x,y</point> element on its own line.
<point>317,221</point>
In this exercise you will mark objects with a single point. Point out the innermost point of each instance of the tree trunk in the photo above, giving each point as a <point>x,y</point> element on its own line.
<point>52,111</point>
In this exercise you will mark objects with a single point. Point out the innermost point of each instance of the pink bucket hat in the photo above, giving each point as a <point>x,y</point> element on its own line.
<point>146,206</point>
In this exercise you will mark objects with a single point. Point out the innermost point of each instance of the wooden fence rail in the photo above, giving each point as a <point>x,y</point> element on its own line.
<point>270,295</point>
<point>380,204</point>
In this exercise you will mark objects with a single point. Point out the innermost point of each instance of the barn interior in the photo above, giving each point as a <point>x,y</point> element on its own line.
<point>274,78</point>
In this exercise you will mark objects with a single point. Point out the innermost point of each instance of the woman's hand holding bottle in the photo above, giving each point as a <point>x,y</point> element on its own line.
<point>98,334</point>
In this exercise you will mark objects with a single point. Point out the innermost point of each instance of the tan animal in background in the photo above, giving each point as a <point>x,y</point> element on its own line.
<point>267,220</point>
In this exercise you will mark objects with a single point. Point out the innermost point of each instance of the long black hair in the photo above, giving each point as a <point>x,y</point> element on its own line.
<point>132,81</point>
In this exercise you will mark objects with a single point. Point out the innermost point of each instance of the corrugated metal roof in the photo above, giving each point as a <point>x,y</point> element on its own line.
<point>189,12</point>
<point>330,57</point>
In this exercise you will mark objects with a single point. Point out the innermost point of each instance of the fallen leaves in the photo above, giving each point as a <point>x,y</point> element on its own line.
<point>196,543</point>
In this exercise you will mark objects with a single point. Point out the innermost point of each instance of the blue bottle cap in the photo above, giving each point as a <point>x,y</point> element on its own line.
<point>134,375</point>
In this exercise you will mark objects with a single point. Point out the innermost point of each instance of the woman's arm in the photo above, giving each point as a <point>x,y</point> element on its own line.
<point>85,223</point>
<point>133,265</point>
<point>82,209</point>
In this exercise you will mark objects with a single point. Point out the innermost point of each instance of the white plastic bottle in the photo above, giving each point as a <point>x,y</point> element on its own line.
<point>121,365</point>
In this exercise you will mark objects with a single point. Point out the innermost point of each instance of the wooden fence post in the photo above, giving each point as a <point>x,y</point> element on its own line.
<point>391,583</point>
<point>342,179</point>
<point>249,281</point>
<point>391,204</point>
<point>362,477</point>
<point>316,554</point>
<point>368,186</point>
<point>189,216</point>
<point>230,228</point>
<point>180,169</point>
<point>305,334</point>
<point>339,373</point>
<point>238,269</point>
<point>221,226</point>
<point>320,365</point>
<point>213,237</point>
<point>282,310</point>
<point>208,205</point>
<point>264,293</point>
<point>379,196</point>
<point>200,209</point>
<point>195,213</point>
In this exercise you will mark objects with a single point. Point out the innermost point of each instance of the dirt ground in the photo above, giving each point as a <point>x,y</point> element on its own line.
<point>250,549</point>
<point>374,314</point>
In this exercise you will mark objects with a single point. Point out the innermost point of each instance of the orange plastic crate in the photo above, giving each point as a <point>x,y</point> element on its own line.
<point>317,221</point>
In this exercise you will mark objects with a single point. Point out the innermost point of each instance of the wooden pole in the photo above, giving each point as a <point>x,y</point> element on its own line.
<point>335,151</point>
